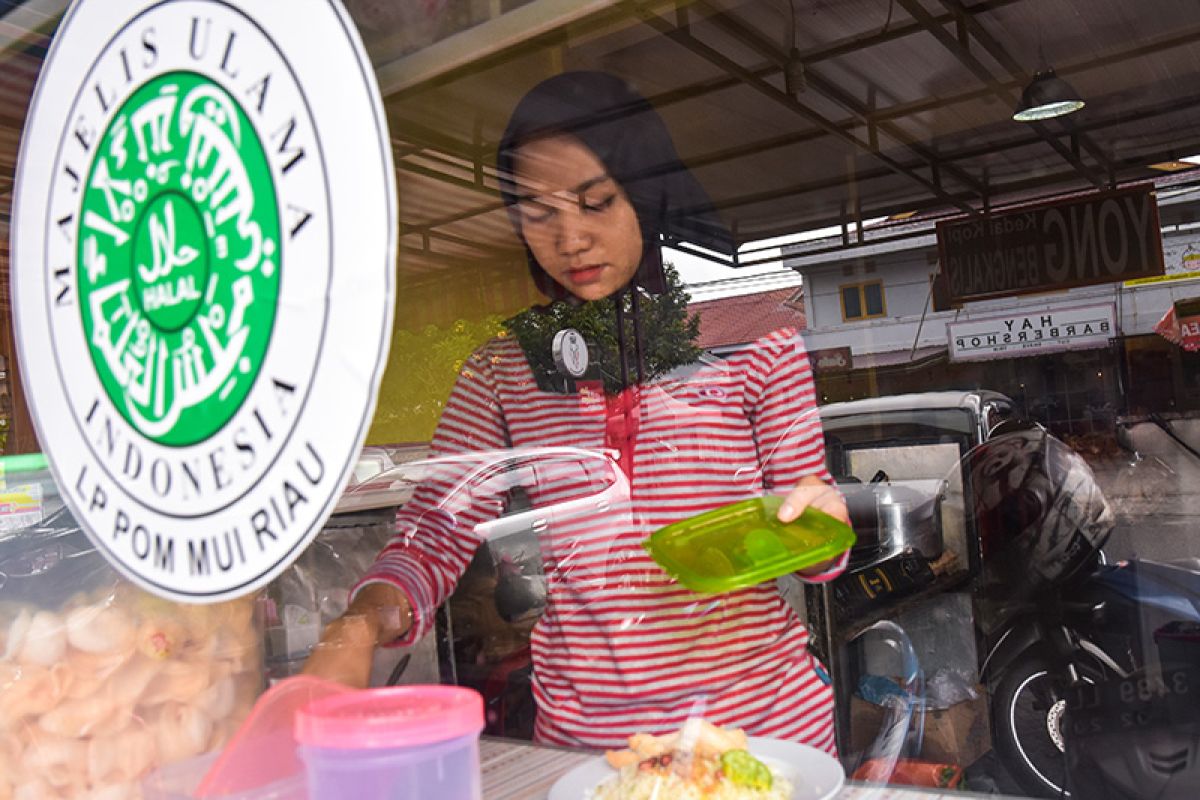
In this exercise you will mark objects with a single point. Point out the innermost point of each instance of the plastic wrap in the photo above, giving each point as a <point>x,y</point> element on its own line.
<point>529,565</point>
<point>100,682</point>
<point>314,589</point>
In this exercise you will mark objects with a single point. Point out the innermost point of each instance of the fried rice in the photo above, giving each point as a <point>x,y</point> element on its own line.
<point>635,783</point>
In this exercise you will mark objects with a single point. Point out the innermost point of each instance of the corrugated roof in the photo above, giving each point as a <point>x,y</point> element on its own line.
<point>743,319</point>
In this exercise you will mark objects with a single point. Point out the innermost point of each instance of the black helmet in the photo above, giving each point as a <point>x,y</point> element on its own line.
<point>1040,514</point>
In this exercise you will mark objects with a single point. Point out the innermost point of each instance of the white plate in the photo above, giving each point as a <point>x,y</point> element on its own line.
<point>813,773</point>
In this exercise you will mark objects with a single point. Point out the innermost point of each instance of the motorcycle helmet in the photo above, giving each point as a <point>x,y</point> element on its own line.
<point>1041,516</point>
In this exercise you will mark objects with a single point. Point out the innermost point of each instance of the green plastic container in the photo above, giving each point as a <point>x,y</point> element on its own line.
<point>744,543</point>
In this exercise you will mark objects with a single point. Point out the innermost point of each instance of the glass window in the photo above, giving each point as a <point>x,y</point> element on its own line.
<point>851,303</point>
<point>863,301</point>
<point>617,313</point>
<point>873,295</point>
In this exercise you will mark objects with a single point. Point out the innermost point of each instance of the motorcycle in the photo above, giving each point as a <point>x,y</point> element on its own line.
<point>1091,666</point>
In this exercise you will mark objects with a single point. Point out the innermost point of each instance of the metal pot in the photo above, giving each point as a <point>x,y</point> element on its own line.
<point>891,517</point>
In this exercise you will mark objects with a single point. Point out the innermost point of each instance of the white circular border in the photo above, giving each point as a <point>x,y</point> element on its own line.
<point>339,84</point>
<point>296,300</point>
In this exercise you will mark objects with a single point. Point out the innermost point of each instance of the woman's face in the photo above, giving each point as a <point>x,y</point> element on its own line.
<point>577,221</point>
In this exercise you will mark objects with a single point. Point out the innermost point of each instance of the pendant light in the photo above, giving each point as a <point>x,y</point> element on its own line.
<point>1047,96</point>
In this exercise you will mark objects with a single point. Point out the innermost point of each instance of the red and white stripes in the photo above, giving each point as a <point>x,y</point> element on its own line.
<point>621,648</point>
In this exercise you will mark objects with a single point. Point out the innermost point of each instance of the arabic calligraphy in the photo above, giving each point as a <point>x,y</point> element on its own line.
<point>178,258</point>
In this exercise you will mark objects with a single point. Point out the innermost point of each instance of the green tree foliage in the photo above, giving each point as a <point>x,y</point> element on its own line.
<point>668,336</point>
<point>422,367</point>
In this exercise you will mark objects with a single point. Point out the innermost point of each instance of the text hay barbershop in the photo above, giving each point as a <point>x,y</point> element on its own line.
<point>1030,331</point>
<point>273,523</point>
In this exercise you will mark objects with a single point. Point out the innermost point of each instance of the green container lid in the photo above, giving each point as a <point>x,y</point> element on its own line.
<point>744,543</point>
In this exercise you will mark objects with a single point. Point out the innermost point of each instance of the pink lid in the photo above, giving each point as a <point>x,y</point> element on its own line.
<point>396,716</point>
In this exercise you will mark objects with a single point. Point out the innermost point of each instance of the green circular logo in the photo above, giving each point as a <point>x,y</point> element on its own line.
<point>178,262</point>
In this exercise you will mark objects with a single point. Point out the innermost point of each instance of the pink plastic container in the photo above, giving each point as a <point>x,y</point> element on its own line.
<point>397,743</point>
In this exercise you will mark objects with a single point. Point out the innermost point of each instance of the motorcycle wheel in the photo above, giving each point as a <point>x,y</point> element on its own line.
<point>1027,725</point>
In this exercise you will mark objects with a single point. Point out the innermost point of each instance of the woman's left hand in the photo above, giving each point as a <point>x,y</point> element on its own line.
<point>812,491</point>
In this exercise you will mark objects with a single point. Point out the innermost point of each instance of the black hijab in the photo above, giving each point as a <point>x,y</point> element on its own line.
<point>631,140</point>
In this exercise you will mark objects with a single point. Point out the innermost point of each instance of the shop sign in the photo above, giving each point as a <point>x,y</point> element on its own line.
<point>1170,276</point>
<point>1189,269</point>
<point>833,359</point>
<point>1181,324</point>
<point>1189,328</point>
<point>1104,237</point>
<point>1032,334</point>
<point>203,255</point>
<point>1188,313</point>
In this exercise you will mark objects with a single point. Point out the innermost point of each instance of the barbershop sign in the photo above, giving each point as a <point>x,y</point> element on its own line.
<point>1099,238</point>
<point>203,254</point>
<point>1032,334</point>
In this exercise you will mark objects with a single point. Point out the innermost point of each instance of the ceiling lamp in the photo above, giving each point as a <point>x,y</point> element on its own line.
<point>1173,166</point>
<point>1047,96</point>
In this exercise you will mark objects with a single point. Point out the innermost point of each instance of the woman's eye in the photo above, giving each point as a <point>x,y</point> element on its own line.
<point>533,211</point>
<point>600,204</point>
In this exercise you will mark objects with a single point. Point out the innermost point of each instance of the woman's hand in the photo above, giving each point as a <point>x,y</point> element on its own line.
<point>812,491</point>
<point>379,614</point>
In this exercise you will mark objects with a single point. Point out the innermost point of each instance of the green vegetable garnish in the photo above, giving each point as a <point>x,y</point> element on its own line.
<point>746,770</point>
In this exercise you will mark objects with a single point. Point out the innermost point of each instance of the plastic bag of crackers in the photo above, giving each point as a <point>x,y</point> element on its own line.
<point>101,682</point>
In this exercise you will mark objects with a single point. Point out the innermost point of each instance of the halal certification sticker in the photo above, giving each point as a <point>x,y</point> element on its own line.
<point>177,267</point>
<point>203,264</point>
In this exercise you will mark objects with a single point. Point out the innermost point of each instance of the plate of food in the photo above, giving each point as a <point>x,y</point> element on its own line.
<point>704,762</point>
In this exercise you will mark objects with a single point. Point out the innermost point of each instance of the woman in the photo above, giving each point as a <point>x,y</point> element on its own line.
<point>592,184</point>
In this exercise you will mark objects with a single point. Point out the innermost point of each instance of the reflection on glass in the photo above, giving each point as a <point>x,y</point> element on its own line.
<point>583,426</point>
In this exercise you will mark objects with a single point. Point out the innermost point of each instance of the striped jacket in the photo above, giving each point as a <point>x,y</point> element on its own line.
<point>621,648</point>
